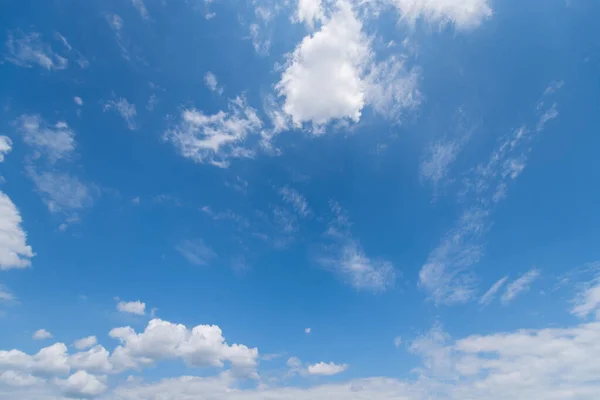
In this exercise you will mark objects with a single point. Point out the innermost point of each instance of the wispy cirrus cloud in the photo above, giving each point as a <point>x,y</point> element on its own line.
<point>343,254</point>
<point>196,251</point>
<point>28,50</point>
<point>489,296</point>
<point>519,285</point>
<point>125,109</point>
<point>52,150</point>
<point>447,275</point>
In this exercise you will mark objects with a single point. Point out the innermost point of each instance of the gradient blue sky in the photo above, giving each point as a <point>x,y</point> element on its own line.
<point>301,199</point>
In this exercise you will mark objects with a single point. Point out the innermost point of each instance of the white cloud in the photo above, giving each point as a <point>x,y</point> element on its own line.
<point>552,364</point>
<point>78,100</point>
<point>322,80</point>
<point>363,272</point>
<point>548,115</point>
<point>397,341</point>
<point>5,147</point>
<point>434,350</point>
<point>392,89</point>
<point>446,274</point>
<point>464,14</point>
<point>76,55</point>
<point>261,45</point>
<point>488,297</point>
<point>210,80</point>
<point>14,250</point>
<point>309,12</point>
<point>116,24</point>
<point>215,138</point>
<point>196,252</point>
<point>346,257</point>
<point>42,334</point>
<point>5,295</point>
<point>307,331</point>
<point>588,299</point>
<point>326,369</point>
<point>139,5</point>
<point>81,385</point>
<point>132,307</point>
<point>62,192</point>
<point>332,73</point>
<point>55,142</point>
<point>296,200</point>
<point>17,379</point>
<point>95,360</point>
<point>125,109</point>
<point>520,285</point>
<point>203,345</point>
<point>85,343</point>
<point>152,102</point>
<point>27,50</point>
<point>439,158</point>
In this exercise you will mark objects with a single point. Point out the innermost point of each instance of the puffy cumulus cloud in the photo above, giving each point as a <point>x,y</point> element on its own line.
<point>132,307</point>
<point>55,142</point>
<point>218,137</point>
<point>18,380</point>
<point>42,334</point>
<point>309,12</point>
<point>323,77</point>
<point>85,343</point>
<point>96,360</point>
<point>553,364</point>
<point>83,374</point>
<point>14,250</point>
<point>203,345</point>
<point>332,74</point>
<point>82,385</point>
<point>463,14</point>
<point>28,50</point>
<point>326,369</point>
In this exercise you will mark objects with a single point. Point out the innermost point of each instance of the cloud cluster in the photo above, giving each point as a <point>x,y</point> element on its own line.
<point>218,137</point>
<point>84,373</point>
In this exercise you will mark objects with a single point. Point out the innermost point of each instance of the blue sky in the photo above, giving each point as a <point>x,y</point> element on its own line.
<point>301,199</point>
